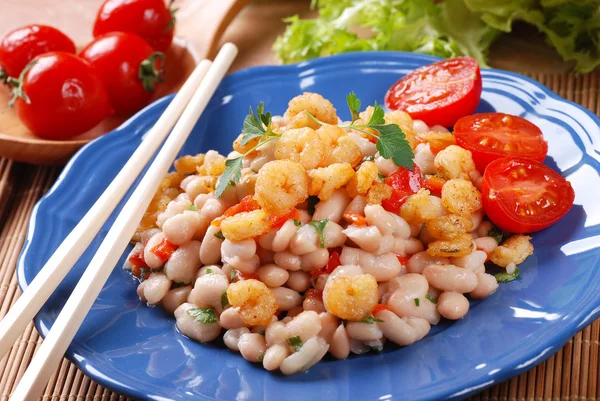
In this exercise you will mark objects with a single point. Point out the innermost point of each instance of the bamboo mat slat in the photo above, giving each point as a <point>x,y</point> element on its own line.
<point>572,374</point>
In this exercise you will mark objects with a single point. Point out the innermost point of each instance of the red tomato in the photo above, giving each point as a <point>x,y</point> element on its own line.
<point>22,45</point>
<point>164,249</point>
<point>128,67</point>
<point>60,96</point>
<point>438,93</point>
<point>379,308</point>
<point>404,183</point>
<point>356,219</point>
<point>278,221</point>
<point>247,204</point>
<point>523,196</point>
<point>434,184</point>
<point>332,264</point>
<point>150,19</point>
<point>491,136</point>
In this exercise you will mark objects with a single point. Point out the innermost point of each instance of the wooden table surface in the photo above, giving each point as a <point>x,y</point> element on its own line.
<point>571,374</point>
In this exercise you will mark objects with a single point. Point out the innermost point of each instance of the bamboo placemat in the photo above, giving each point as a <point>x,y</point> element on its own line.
<point>572,374</point>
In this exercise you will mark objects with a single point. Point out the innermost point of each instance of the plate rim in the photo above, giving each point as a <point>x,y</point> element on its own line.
<point>537,354</point>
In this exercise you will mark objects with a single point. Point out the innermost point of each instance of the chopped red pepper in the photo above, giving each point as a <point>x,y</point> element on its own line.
<point>313,293</point>
<point>403,260</point>
<point>434,184</point>
<point>164,249</point>
<point>379,308</point>
<point>247,204</point>
<point>245,276</point>
<point>278,221</point>
<point>141,272</point>
<point>356,219</point>
<point>332,263</point>
<point>137,259</point>
<point>404,183</point>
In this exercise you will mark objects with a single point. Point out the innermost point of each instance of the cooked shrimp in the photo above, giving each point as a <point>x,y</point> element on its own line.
<point>461,197</point>
<point>515,250</point>
<point>255,300</point>
<point>302,145</point>
<point>351,298</point>
<point>315,104</point>
<point>364,178</point>
<point>325,180</point>
<point>280,186</point>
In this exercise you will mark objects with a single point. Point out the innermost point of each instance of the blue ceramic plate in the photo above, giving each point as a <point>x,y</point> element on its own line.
<point>136,350</point>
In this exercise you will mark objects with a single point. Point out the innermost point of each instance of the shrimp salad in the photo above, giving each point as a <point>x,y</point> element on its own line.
<point>312,237</point>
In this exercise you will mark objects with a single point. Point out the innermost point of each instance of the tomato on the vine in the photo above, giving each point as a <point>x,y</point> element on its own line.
<point>150,19</point>
<point>59,96</point>
<point>404,183</point>
<point>23,44</point>
<point>128,67</point>
<point>438,93</point>
<point>491,136</point>
<point>523,196</point>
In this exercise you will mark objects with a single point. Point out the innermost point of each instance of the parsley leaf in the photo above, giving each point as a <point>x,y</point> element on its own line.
<point>371,319</point>
<point>232,275</point>
<point>253,124</point>
<point>219,235</point>
<point>417,302</point>
<point>224,300</point>
<point>295,342</point>
<point>203,315</point>
<point>319,225</point>
<point>297,223</point>
<point>496,234</point>
<point>392,144</point>
<point>381,177</point>
<point>433,301</point>
<point>260,358</point>
<point>209,271</point>
<point>312,202</point>
<point>353,105</point>
<point>193,207</point>
<point>507,277</point>
<point>233,172</point>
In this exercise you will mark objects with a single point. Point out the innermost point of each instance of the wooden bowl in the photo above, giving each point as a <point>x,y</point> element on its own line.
<point>200,24</point>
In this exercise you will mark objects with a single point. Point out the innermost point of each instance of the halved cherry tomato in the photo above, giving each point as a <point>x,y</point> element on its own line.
<point>356,219</point>
<point>404,183</point>
<point>23,44</point>
<point>150,19</point>
<point>164,249</point>
<point>434,184</point>
<point>379,308</point>
<point>59,96</point>
<point>438,93</point>
<point>128,67</point>
<point>523,196</point>
<point>278,221</point>
<point>332,264</point>
<point>247,204</point>
<point>491,136</point>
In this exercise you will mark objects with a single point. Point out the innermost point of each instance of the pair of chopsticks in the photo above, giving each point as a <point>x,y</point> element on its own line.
<point>180,116</point>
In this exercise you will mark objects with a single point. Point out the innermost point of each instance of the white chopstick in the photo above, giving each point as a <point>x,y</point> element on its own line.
<point>79,303</point>
<point>73,246</point>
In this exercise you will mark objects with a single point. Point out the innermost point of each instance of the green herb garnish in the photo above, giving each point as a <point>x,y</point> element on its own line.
<point>368,159</point>
<point>232,275</point>
<point>219,235</point>
<point>417,302</point>
<point>208,271</point>
<point>371,319</point>
<point>381,177</point>
<point>297,223</point>
<point>224,299</point>
<point>260,358</point>
<point>319,225</point>
<point>496,234</point>
<point>193,207</point>
<point>295,342</point>
<point>203,315</point>
<point>353,105</point>
<point>433,301</point>
<point>507,277</point>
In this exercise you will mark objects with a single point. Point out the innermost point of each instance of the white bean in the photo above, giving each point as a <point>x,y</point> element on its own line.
<point>320,282</point>
<point>486,244</point>
<point>244,249</point>
<point>305,325</point>
<point>287,298</point>
<point>299,281</point>
<point>304,216</point>
<point>346,270</point>
<point>403,229</point>
<point>212,209</point>
<point>399,246</point>
<point>421,260</point>
<point>266,240</point>
<point>484,228</point>
<point>438,128</point>
<point>474,261</point>
<point>210,250</point>
<point>450,278</point>
<point>195,186</point>
<point>156,287</point>
<point>350,256</point>
<point>424,158</point>
<point>231,319</point>
<point>175,297</point>
<point>368,238</point>
<point>486,285</point>
<point>272,275</point>
<point>377,216</point>
<point>140,291</point>
<point>184,263</point>
<point>387,245</point>
<point>181,228</point>
<point>402,331</point>
<point>265,256</point>
<point>382,267</point>
<point>333,208</point>
<point>276,333</point>
<point>201,332</point>
<point>154,262</point>
<point>334,235</point>
<point>231,337</point>
<point>200,200</point>
<point>305,240</point>
<point>420,127</point>
<point>174,207</point>
<point>247,266</point>
<point>340,343</point>
<point>386,166</point>
<point>274,356</point>
<point>407,298</point>
<point>282,238</point>
<point>452,305</point>
<point>146,235</point>
<point>252,346</point>
<point>359,347</point>
<point>357,205</point>
<point>363,331</point>
<point>476,178</point>
<point>295,311</point>
<point>476,218</point>
<point>315,260</point>
<point>208,291</point>
<point>288,260</point>
<point>329,323</point>
<point>439,207</point>
<point>311,352</point>
<point>426,238</point>
<point>211,269</point>
<point>412,246</point>
<point>367,148</point>
<point>314,304</point>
